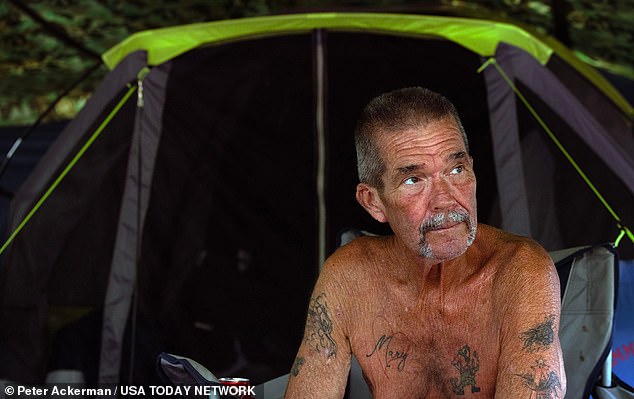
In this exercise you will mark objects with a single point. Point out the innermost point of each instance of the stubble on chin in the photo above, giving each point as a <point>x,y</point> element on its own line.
<point>439,219</point>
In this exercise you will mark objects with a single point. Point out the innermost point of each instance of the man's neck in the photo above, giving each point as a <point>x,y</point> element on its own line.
<point>425,273</point>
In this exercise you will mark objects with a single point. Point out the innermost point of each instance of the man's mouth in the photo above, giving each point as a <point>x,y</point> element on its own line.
<point>441,221</point>
<point>446,226</point>
<point>442,224</point>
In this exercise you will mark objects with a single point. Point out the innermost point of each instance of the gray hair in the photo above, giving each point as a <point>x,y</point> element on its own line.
<point>393,112</point>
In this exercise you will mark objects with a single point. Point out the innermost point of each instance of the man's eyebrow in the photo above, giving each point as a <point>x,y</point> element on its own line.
<point>457,155</point>
<point>408,169</point>
<point>404,170</point>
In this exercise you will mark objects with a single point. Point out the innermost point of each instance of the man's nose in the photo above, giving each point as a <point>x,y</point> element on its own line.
<point>441,196</point>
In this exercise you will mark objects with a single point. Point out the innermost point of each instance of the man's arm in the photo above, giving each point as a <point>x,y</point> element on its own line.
<point>320,369</point>
<point>531,362</point>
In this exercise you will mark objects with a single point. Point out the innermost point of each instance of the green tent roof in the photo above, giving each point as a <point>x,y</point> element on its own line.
<point>479,36</point>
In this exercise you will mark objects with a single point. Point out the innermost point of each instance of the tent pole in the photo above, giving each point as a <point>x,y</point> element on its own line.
<point>320,122</point>
<point>607,371</point>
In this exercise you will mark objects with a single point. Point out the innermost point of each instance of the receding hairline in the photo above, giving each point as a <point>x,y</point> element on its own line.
<point>410,108</point>
<point>377,129</point>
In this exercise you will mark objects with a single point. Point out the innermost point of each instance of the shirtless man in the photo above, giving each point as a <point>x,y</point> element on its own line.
<point>445,307</point>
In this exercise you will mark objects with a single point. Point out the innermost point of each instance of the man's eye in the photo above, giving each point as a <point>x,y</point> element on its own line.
<point>457,170</point>
<point>411,180</point>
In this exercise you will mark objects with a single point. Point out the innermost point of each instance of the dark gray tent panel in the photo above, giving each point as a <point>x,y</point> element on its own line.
<point>234,172</point>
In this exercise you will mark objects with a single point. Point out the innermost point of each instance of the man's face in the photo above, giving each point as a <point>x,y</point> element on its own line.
<point>429,189</point>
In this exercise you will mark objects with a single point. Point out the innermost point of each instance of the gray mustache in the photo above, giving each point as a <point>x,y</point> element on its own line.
<point>439,219</point>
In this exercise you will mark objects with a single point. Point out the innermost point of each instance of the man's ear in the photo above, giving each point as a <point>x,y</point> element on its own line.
<point>369,199</point>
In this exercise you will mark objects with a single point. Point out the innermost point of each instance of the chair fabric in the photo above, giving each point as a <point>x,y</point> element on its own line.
<point>588,283</point>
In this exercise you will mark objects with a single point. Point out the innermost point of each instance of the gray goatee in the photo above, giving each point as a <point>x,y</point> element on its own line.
<point>436,221</point>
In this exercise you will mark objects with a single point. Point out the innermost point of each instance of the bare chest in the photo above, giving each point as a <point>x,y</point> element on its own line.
<point>428,349</point>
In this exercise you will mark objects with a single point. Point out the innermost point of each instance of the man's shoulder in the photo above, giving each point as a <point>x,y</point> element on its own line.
<point>503,243</point>
<point>357,252</point>
<point>524,278</point>
<point>518,260</point>
<point>356,258</point>
<point>349,275</point>
<point>514,254</point>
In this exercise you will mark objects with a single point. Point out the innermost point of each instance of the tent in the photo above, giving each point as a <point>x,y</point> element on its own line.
<point>188,207</point>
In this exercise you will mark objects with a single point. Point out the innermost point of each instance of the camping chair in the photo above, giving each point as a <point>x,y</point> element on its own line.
<point>588,277</point>
<point>180,370</point>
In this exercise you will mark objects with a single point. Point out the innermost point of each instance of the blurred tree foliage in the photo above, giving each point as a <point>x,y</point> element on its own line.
<point>36,66</point>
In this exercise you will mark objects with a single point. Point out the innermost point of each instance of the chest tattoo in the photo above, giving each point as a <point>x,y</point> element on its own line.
<point>391,355</point>
<point>468,365</point>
